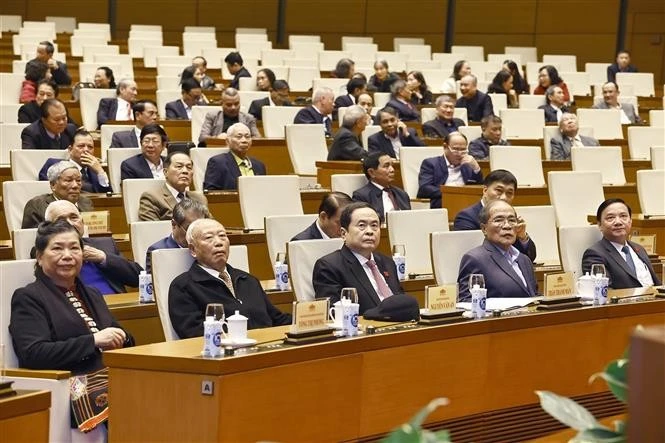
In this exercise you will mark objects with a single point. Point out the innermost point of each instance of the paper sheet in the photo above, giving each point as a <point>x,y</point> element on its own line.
<point>501,303</point>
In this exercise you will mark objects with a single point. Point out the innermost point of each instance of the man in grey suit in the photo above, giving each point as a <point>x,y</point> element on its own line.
<point>626,263</point>
<point>611,101</point>
<point>568,137</point>
<point>145,113</point>
<point>216,124</point>
<point>507,272</point>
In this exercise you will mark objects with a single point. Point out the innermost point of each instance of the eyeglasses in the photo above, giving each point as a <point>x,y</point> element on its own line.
<point>458,151</point>
<point>500,221</point>
<point>151,141</point>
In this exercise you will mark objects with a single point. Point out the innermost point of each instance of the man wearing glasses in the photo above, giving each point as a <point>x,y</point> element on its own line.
<point>454,168</point>
<point>150,162</point>
<point>507,272</point>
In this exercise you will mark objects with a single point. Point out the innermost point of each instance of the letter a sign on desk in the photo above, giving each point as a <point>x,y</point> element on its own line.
<point>207,387</point>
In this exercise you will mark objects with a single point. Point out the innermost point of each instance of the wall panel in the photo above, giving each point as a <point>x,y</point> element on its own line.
<point>330,20</point>
<point>84,11</point>
<point>645,36</point>
<point>487,17</point>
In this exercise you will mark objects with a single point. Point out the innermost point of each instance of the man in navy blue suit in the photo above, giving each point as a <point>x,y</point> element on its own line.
<point>400,100</point>
<point>145,113</point>
<point>51,131</point>
<point>150,162</point>
<point>454,168</point>
<point>507,272</point>
<point>120,107</point>
<point>354,88</point>
<point>81,152</point>
<point>319,111</point>
<point>393,136</point>
<point>223,170</point>
<point>184,213</point>
<point>181,109</point>
<point>234,63</point>
<point>279,96</point>
<point>327,223</point>
<point>444,123</point>
<point>498,185</point>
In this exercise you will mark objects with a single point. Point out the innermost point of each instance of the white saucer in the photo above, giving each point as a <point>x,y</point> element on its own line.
<point>239,343</point>
<point>333,326</point>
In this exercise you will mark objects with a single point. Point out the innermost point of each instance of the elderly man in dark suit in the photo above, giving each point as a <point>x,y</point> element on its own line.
<point>400,101</point>
<point>81,152</point>
<point>454,168</point>
<point>65,180</point>
<point>555,104</point>
<point>216,124</point>
<point>477,104</point>
<point>507,272</point>
<point>158,204</point>
<point>498,185</point>
<point>103,265</point>
<point>211,279</point>
<point>120,107</point>
<point>51,131</point>
<point>181,109</point>
<point>444,123</point>
<point>379,192</point>
<point>627,264</point>
<point>568,137</point>
<point>150,162</point>
<point>357,264</point>
<point>393,136</point>
<point>223,170</point>
<point>611,101</point>
<point>279,96</point>
<point>58,69</point>
<point>491,136</point>
<point>319,111</point>
<point>326,224</point>
<point>346,145</point>
<point>145,113</point>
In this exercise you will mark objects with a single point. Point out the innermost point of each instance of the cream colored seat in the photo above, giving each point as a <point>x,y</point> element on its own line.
<point>275,118</point>
<point>396,60</point>
<point>87,69</point>
<point>412,229</point>
<point>167,264</point>
<point>302,77</point>
<point>115,158</point>
<point>499,102</point>
<point>658,157</point>
<point>470,52</point>
<point>347,183</point>
<point>336,84</point>
<point>523,161</point>
<point>573,241</point>
<point>198,117</point>
<point>248,96</point>
<point>541,227</point>
<point>256,203</point>
<point>424,65</point>
<point>528,53</point>
<point>77,42</point>
<point>657,118</point>
<point>26,163</point>
<point>132,189</point>
<point>397,41</point>
<point>642,83</point>
<point>529,101</point>
<point>107,132</point>
<point>563,63</point>
<point>90,98</point>
<point>597,72</point>
<point>575,195</point>
<point>578,83</point>
<point>381,99</point>
<point>164,96</point>
<point>23,240</point>
<point>606,159</point>
<point>606,123</point>
<point>302,258</point>
<point>447,249</point>
<point>642,138</point>
<point>10,87</point>
<point>15,194</point>
<point>143,234</point>
<point>280,229</point>
<point>200,157</point>
<point>523,123</point>
<point>306,145</point>
<point>367,133</point>
<point>651,191</point>
<point>327,61</point>
<point>10,139</point>
<point>124,60</point>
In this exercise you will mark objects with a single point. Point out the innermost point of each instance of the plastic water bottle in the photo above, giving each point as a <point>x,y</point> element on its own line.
<point>281,275</point>
<point>399,257</point>
<point>145,288</point>
<point>478,301</point>
<point>212,337</point>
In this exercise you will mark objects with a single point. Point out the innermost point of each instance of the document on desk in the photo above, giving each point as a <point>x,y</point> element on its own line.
<point>501,303</point>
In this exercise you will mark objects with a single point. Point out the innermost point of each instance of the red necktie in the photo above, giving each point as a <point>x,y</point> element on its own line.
<point>382,286</point>
<point>391,196</point>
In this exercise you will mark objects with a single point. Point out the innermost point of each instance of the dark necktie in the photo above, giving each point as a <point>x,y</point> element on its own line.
<point>326,123</point>
<point>180,196</point>
<point>629,258</point>
<point>391,196</point>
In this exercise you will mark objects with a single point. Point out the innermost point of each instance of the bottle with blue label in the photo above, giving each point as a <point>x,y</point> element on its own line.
<point>281,272</point>
<point>478,295</point>
<point>399,257</point>
<point>145,288</point>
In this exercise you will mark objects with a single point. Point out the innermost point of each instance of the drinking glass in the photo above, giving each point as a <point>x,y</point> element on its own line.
<point>215,311</point>
<point>477,280</point>
<point>598,270</point>
<point>399,250</point>
<point>350,294</point>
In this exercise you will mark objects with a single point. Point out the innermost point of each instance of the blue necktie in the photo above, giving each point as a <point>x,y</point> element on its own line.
<point>629,258</point>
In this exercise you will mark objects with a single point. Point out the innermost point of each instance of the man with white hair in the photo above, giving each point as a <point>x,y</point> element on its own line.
<point>120,107</point>
<point>103,265</point>
<point>211,279</point>
<point>223,170</point>
<point>346,145</point>
<point>568,137</point>
<point>65,180</point>
<point>216,125</point>
<point>323,101</point>
<point>477,104</point>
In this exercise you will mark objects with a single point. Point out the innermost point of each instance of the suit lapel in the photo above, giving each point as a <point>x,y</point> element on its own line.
<point>501,261</point>
<point>233,165</point>
<point>168,197</point>
<point>618,258</point>
<point>359,274</point>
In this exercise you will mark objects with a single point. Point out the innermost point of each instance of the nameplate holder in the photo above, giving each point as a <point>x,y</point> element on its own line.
<point>310,322</point>
<point>559,284</point>
<point>440,305</point>
<point>648,242</point>
<point>96,222</point>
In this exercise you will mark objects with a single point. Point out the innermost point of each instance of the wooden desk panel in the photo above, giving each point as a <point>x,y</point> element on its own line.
<point>24,417</point>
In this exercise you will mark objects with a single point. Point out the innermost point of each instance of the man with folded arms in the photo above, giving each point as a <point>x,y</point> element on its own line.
<point>223,170</point>
<point>379,192</point>
<point>211,279</point>
<point>326,224</point>
<point>626,263</point>
<point>454,168</point>
<point>498,185</point>
<point>357,264</point>
<point>507,272</point>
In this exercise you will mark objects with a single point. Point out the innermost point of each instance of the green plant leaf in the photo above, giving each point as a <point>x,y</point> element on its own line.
<point>412,432</point>
<point>619,426</point>
<point>599,435</point>
<point>616,376</point>
<point>403,434</point>
<point>567,411</point>
<point>420,417</point>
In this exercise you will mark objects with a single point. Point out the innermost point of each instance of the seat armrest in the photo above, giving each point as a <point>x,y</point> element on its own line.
<point>34,373</point>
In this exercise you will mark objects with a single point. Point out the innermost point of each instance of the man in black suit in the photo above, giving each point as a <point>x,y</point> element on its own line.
<point>477,104</point>
<point>622,65</point>
<point>181,109</point>
<point>346,145</point>
<point>400,101</point>
<point>211,279</point>
<point>327,223</point>
<point>150,162</point>
<point>454,168</point>
<point>393,136</point>
<point>491,136</point>
<point>145,113</point>
<point>319,111</point>
<point>444,123</point>
<point>234,63</point>
<point>103,265</point>
<point>59,73</point>
<point>357,264</point>
<point>279,96</point>
<point>51,131</point>
<point>555,105</point>
<point>498,185</point>
<point>627,264</point>
<point>81,152</point>
<point>223,170</point>
<point>120,107</point>
<point>354,88</point>
<point>379,192</point>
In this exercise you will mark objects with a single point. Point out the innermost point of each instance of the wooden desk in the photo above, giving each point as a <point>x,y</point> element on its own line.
<point>487,365</point>
<point>24,417</point>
